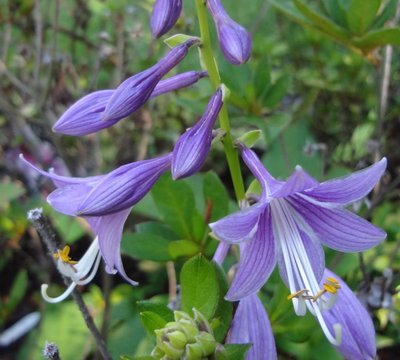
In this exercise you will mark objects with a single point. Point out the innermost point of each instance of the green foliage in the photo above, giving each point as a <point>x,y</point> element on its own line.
<point>233,352</point>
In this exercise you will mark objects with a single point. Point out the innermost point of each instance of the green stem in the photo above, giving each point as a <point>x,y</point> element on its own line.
<point>213,73</point>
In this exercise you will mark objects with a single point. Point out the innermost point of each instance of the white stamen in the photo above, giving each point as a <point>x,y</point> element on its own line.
<point>78,273</point>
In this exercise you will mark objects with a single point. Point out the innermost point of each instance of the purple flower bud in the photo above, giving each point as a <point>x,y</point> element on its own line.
<point>135,91</point>
<point>358,333</point>
<point>234,40</point>
<point>85,116</point>
<point>164,16</point>
<point>192,147</point>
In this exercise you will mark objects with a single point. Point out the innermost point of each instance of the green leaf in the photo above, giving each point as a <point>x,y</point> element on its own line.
<point>183,248</point>
<point>233,352</point>
<point>126,357</point>
<point>215,196</point>
<point>10,191</point>
<point>199,286</point>
<point>250,138</point>
<point>160,309</point>
<point>152,321</point>
<point>335,12</point>
<point>361,14</point>
<point>146,246</point>
<point>17,291</point>
<point>175,201</point>
<point>178,39</point>
<point>378,38</point>
<point>70,228</point>
<point>388,12</point>
<point>262,77</point>
<point>322,22</point>
<point>225,308</point>
<point>276,91</point>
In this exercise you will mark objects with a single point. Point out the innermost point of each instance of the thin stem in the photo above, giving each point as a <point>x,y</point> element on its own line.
<point>211,66</point>
<point>46,233</point>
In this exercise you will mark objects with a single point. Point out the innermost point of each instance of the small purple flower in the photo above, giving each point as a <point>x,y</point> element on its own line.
<point>251,325</point>
<point>192,147</point>
<point>289,224</point>
<point>85,116</point>
<point>164,16</point>
<point>105,201</point>
<point>234,40</point>
<point>136,90</point>
<point>358,333</point>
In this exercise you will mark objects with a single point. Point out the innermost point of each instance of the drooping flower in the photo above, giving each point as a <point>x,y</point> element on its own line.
<point>192,147</point>
<point>164,16</point>
<point>251,325</point>
<point>289,224</point>
<point>79,272</point>
<point>234,40</point>
<point>105,201</point>
<point>136,90</point>
<point>85,116</point>
<point>358,331</point>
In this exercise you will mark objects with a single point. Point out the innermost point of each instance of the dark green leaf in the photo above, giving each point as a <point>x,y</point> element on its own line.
<point>199,286</point>
<point>160,309</point>
<point>183,248</point>
<point>388,12</point>
<point>215,196</point>
<point>17,291</point>
<point>146,246</point>
<point>276,91</point>
<point>361,14</point>
<point>378,38</point>
<point>234,352</point>
<point>175,201</point>
<point>156,228</point>
<point>262,77</point>
<point>335,12</point>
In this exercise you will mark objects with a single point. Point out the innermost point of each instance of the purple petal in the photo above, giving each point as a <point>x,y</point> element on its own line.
<point>85,116</point>
<point>251,326</point>
<point>192,147</point>
<point>338,229</point>
<point>257,260</point>
<point>350,188</point>
<point>315,255</point>
<point>298,181</point>
<point>136,90</point>
<point>358,333</point>
<point>268,183</point>
<point>124,187</point>
<point>67,199</point>
<point>61,181</point>
<point>164,16</point>
<point>234,40</point>
<point>109,231</point>
<point>240,226</point>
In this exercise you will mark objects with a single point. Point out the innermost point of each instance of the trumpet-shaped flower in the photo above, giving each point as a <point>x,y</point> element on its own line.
<point>85,116</point>
<point>105,201</point>
<point>357,327</point>
<point>192,147</point>
<point>136,90</point>
<point>289,224</point>
<point>251,325</point>
<point>79,272</point>
<point>234,40</point>
<point>164,16</point>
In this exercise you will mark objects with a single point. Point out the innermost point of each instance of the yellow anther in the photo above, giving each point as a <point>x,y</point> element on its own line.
<point>297,294</point>
<point>330,288</point>
<point>333,281</point>
<point>63,255</point>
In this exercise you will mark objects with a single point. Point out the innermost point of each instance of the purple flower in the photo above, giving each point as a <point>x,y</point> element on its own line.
<point>85,116</point>
<point>289,224</point>
<point>234,40</point>
<point>164,16</point>
<point>136,90</point>
<point>105,201</point>
<point>251,325</point>
<point>358,333</point>
<point>192,147</point>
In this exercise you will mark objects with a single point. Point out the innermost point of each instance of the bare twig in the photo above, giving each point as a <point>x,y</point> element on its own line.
<point>46,233</point>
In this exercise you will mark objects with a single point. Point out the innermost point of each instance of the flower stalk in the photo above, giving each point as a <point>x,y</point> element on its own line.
<point>212,69</point>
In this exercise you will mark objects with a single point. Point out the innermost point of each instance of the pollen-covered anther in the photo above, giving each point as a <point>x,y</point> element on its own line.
<point>63,255</point>
<point>331,286</point>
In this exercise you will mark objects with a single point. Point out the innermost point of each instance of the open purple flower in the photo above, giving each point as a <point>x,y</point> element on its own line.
<point>105,201</point>
<point>251,326</point>
<point>164,16</point>
<point>358,333</point>
<point>192,147</point>
<point>86,115</point>
<point>289,224</point>
<point>234,40</point>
